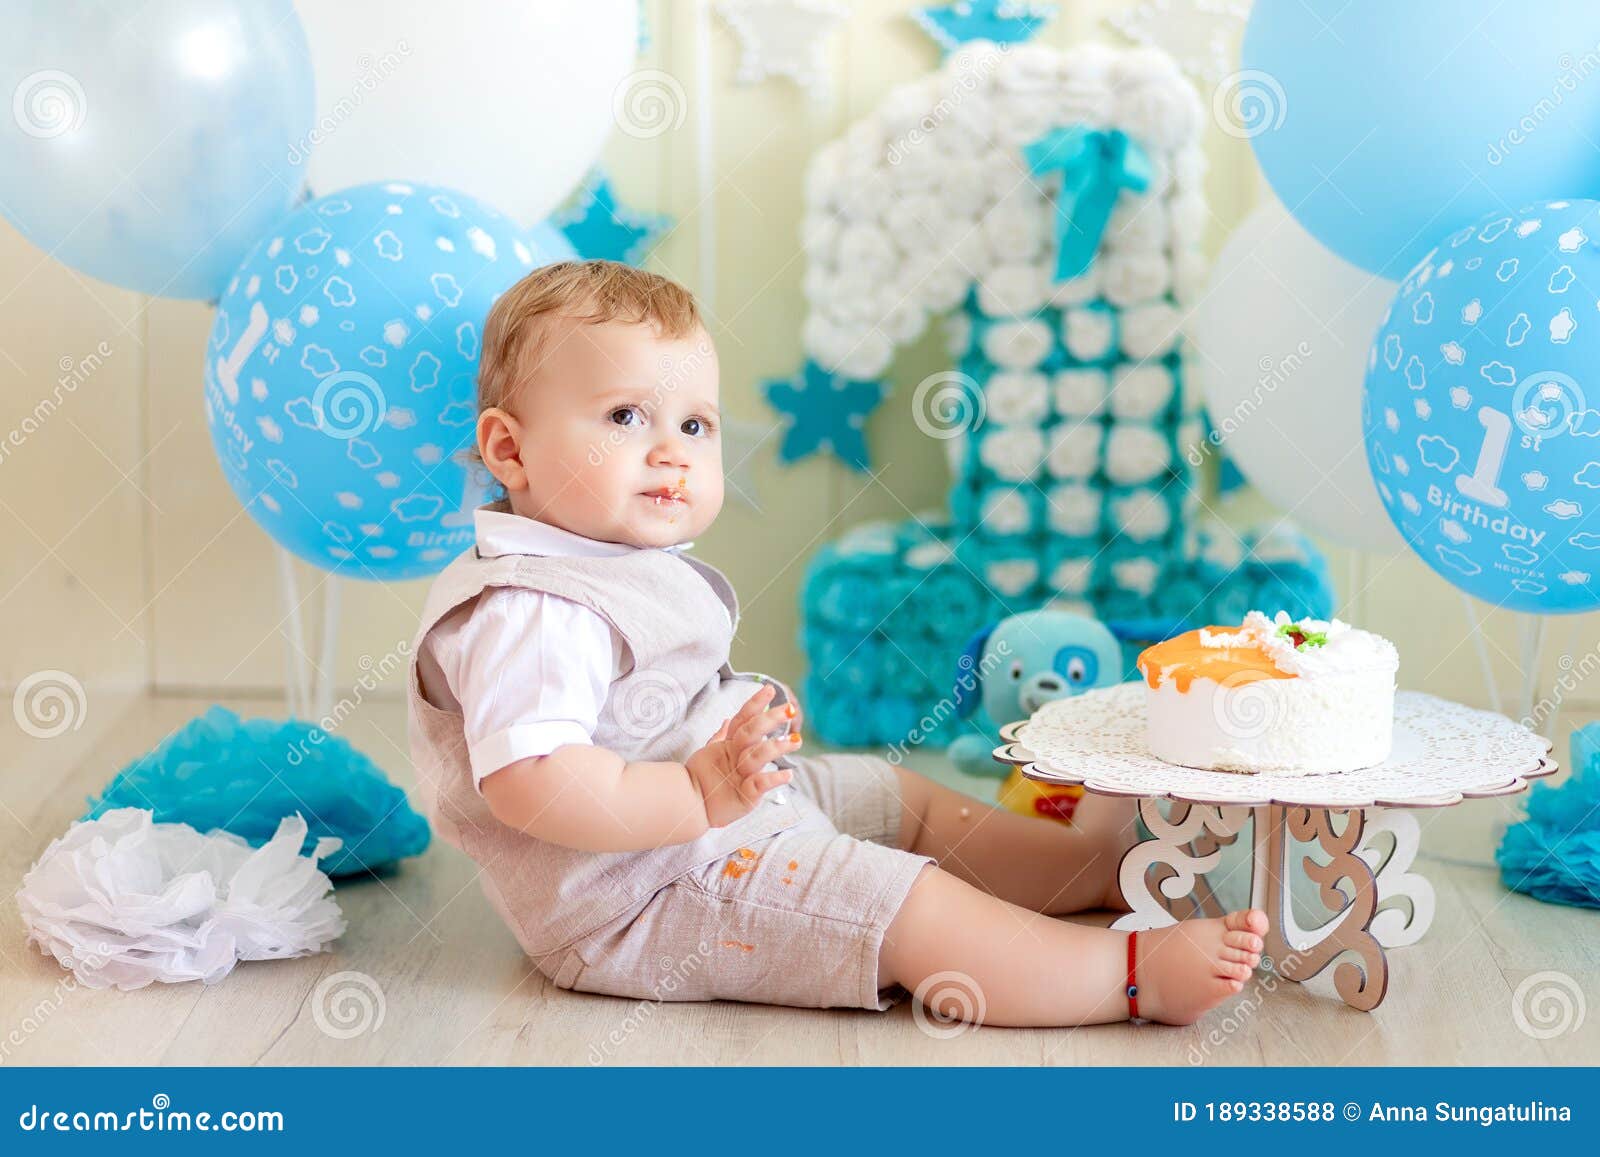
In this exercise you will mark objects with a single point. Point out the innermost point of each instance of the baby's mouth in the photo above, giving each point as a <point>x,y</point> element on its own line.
<point>673,496</point>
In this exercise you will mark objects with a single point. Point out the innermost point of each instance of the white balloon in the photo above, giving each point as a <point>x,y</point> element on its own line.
<point>508,102</point>
<point>1283,332</point>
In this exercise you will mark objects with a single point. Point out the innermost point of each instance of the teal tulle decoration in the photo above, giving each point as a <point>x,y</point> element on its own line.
<point>1554,855</point>
<point>244,775</point>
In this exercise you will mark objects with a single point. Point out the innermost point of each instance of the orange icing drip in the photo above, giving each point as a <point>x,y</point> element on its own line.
<point>1186,660</point>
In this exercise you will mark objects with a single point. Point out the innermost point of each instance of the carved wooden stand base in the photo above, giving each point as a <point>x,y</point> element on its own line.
<point>1164,880</point>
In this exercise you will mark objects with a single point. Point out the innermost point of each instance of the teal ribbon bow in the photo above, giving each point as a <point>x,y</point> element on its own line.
<point>1095,167</point>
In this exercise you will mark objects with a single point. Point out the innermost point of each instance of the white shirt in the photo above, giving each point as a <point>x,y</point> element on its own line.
<point>528,671</point>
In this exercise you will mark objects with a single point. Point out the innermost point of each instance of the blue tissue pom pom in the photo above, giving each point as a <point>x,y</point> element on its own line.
<point>244,775</point>
<point>1554,855</point>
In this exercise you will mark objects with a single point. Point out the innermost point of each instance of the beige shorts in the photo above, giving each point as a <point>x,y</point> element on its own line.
<point>796,918</point>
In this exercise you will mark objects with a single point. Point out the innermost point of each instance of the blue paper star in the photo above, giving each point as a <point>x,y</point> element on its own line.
<point>824,411</point>
<point>600,227</point>
<point>1002,21</point>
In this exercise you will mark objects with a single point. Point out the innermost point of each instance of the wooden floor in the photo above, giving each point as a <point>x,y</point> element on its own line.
<point>426,949</point>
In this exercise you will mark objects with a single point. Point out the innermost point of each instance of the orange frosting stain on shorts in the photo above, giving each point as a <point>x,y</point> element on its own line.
<point>742,861</point>
<point>739,944</point>
<point>1186,660</point>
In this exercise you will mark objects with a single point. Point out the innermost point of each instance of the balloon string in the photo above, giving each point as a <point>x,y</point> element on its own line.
<point>705,161</point>
<point>1482,645</point>
<point>330,642</point>
<point>1531,628</point>
<point>296,692</point>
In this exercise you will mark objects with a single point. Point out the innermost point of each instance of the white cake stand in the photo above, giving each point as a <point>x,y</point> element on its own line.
<point>1443,753</point>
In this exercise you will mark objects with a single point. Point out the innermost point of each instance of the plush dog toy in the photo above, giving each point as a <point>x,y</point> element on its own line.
<point>1012,668</point>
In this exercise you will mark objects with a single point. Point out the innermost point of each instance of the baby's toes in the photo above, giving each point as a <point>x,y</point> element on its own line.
<point>1245,941</point>
<point>1233,971</point>
<point>1241,956</point>
<point>1246,920</point>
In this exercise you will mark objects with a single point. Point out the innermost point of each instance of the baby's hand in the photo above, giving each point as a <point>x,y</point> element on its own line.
<point>728,769</point>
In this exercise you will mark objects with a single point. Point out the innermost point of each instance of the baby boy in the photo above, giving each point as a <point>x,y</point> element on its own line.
<point>639,809</point>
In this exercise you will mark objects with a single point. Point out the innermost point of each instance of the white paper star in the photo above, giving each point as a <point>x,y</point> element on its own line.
<point>1201,35</point>
<point>784,38</point>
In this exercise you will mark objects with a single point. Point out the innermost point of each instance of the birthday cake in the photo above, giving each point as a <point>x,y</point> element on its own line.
<point>1303,697</point>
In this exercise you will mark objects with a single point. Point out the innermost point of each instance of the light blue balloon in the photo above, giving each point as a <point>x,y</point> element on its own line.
<point>341,373</point>
<point>1382,124</point>
<point>1482,408</point>
<point>150,144</point>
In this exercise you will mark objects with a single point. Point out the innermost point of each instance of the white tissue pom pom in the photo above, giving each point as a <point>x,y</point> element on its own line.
<point>971,69</point>
<point>1188,214</point>
<point>865,195</point>
<point>1138,223</point>
<point>963,193</point>
<point>1012,576</point>
<point>904,321</point>
<point>124,902</point>
<point>1013,290</point>
<point>867,250</point>
<point>1155,105</point>
<point>915,166</point>
<point>1031,71</point>
<point>938,281</point>
<point>825,176</point>
<point>824,340</point>
<point>1133,276</point>
<point>1075,449</point>
<point>1084,95</point>
<point>1017,345</point>
<point>1140,391</point>
<point>1080,392</point>
<point>917,223</point>
<point>819,237</point>
<point>816,282</point>
<point>1190,273</point>
<point>1017,223</point>
<point>1150,330</point>
<point>1135,453</point>
<point>868,357</point>
<point>927,555</point>
<point>1013,452</point>
<point>1138,575</point>
<point>968,249</point>
<point>1087,333</point>
<point>1223,550</point>
<point>1142,515</point>
<point>1025,122</point>
<point>904,112</point>
<point>1075,290</point>
<point>1015,396</point>
<point>957,335</point>
<point>1189,167</point>
<point>1071,576</point>
<point>1075,510</point>
<point>1005,512</point>
<point>850,296</point>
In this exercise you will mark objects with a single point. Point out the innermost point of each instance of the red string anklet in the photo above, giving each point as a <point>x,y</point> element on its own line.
<point>1133,979</point>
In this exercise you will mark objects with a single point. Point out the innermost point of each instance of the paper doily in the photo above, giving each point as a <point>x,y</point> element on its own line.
<point>1443,752</point>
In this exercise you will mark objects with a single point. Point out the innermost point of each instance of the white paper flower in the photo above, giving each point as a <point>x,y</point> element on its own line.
<point>1135,453</point>
<point>1075,290</point>
<point>1005,512</point>
<point>1071,576</point>
<point>867,252</point>
<point>1142,515</point>
<point>1014,290</point>
<point>1140,391</point>
<point>1136,574</point>
<point>1087,333</point>
<point>1016,396</point>
<point>124,901</point>
<point>1017,345</point>
<point>1150,330</point>
<point>1134,276</point>
<point>1012,452</point>
<point>1074,510</point>
<point>1075,449</point>
<point>1012,576</point>
<point>1080,392</point>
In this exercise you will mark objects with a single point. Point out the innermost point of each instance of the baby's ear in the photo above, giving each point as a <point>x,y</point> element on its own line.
<point>968,682</point>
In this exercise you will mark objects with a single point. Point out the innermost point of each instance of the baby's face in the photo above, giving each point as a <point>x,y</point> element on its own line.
<point>619,435</point>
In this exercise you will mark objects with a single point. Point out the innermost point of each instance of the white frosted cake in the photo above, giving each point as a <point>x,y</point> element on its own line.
<point>1303,697</point>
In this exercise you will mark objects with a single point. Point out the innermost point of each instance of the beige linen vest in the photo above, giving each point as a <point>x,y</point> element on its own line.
<point>677,616</point>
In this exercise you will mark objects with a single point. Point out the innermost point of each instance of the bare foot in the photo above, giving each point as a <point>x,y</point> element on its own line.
<point>1188,968</point>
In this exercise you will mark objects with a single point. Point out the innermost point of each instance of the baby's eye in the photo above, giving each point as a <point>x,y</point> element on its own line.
<point>633,410</point>
<point>695,427</point>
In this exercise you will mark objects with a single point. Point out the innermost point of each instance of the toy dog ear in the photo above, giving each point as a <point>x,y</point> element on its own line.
<point>967,678</point>
<point>1147,630</point>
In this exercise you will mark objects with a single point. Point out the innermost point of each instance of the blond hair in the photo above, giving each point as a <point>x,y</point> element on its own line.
<point>588,292</point>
